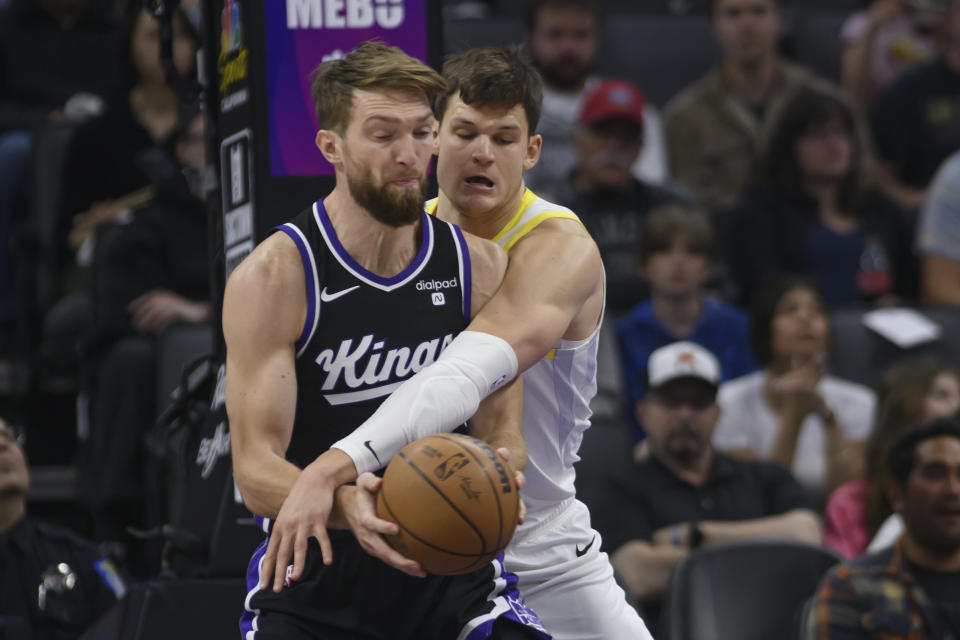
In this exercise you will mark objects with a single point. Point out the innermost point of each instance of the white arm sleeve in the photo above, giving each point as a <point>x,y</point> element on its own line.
<point>437,399</point>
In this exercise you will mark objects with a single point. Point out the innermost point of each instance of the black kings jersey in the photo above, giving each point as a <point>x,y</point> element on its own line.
<point>365,334</point>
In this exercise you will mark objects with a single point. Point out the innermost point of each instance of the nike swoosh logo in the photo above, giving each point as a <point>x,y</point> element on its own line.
<point>367,445</point>
<point>580,551</point>
<point>329,297</point>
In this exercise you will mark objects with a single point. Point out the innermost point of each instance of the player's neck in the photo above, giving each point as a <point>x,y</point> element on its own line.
<point>377,247</point>
<point>485,224</point>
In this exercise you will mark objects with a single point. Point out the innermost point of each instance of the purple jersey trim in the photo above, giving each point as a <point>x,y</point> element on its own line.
<point>308,269</point>
<point>466,271</point>
<point>248,619</point>
<point>508,604</point>
<point>355,266</point>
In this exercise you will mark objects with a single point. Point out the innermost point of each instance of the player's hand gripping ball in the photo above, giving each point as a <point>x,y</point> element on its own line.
<point>455,501</point>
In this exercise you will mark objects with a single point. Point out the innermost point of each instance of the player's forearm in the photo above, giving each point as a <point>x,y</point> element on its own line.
<point>499,422</point>
<point>798,524</point>
<point>264,480</point>
<point>646,568</point>
<point>438,399</point>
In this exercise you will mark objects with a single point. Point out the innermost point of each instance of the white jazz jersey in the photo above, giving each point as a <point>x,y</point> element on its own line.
<point>556,391</point>
<point>563,574</point>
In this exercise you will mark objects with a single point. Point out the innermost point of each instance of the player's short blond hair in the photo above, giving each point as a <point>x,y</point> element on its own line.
<point>372,65</point>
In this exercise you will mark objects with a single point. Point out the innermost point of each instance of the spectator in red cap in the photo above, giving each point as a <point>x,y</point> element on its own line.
<point>602,188</point>
<point>563,38</point>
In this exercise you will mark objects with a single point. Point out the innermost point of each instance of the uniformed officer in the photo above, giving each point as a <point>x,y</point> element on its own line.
<point>53,584</point>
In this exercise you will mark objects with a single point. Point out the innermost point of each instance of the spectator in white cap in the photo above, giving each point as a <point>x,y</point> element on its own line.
<point>686,494</point>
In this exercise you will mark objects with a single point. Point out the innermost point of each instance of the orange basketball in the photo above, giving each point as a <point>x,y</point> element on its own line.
<point>455,501</point>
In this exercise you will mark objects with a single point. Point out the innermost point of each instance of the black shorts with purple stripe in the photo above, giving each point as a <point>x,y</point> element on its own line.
<point>358,597</point>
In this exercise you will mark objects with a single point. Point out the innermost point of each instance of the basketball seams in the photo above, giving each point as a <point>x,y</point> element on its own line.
<point>493,485</point>
<point>450,503</point>
<point>479,557</point>
<point>462,516</point>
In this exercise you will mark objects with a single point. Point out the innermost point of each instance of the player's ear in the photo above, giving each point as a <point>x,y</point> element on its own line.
<point>534,144</point>
<point>436,137</point>
<point>329,143</point>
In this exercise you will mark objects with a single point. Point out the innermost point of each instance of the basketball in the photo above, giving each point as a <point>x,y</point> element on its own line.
<point>455,501</point>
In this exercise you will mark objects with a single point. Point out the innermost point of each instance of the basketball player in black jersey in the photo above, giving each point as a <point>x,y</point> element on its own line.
<point>322,321</point>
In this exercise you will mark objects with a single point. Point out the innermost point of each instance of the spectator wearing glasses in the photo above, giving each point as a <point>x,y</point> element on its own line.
<point>53,584</point>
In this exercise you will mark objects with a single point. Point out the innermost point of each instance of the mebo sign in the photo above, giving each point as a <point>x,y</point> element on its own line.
<point>300,34</point>
<point>344,14</point>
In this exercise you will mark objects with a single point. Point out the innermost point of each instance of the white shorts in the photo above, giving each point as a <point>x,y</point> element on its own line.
<point>568,581</point>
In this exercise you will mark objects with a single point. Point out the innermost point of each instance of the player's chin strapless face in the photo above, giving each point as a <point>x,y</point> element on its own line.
<point>481,155</point>
<point>387,149</point>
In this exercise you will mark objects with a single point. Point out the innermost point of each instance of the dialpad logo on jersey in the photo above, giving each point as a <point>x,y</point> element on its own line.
<point>450,466</point>
<point>436,285</point>
<point>369,370</point>
<point>438,299</point>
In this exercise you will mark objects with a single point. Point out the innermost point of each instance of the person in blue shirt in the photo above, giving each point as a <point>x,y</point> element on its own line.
<point>675,254</point>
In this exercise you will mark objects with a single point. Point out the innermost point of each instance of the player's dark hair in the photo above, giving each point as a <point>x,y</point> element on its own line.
<point>531,11</point>
<point>765,308</point>
<point>668,223</point>
<point>372,65</point>
<point>501,77</point>
<point>902,454</point>
<point>780,165</point>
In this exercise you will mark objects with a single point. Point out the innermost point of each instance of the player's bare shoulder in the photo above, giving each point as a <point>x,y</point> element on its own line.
<point>563,241</point>
<point>488,263</point>
<point>269,286</point>
<point>559,261</point>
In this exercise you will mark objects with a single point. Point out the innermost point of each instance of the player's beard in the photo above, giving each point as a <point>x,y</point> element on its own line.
<point>391,205</point>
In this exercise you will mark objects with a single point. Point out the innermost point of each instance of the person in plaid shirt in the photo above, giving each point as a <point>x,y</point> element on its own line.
<point>912,590</point>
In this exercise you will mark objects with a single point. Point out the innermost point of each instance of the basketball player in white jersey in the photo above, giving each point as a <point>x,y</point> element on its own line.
<point>544,321</point>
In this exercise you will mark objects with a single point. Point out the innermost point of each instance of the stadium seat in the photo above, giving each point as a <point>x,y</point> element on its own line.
<point>751,590</point>
<point>177,347</point>
<point>861,355</point>
<point>813,40</point>
<point>661,53</point>
<point>460,35</point>
<point>183,609</point>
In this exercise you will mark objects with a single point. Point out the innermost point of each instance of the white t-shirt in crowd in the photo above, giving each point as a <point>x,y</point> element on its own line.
<point>748,422</point>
